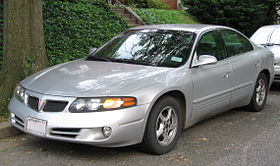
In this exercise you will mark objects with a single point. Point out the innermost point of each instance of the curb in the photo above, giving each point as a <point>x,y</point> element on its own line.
<point>7,130</point>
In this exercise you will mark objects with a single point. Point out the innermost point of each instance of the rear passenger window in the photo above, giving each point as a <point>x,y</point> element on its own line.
<point>235,43</point>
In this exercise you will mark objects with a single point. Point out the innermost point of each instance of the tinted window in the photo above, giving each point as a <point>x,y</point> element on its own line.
<point>235,43</point>
<point>148,47</point>
<point>210,44</point>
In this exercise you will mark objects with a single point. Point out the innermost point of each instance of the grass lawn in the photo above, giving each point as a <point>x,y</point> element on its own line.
<point>161,16</point>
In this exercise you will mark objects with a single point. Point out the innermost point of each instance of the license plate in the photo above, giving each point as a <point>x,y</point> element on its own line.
<point>36,126</point>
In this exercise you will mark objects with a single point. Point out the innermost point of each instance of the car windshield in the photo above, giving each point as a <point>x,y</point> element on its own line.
<point>266,35</point>
<point>275,36</point>
<point>147,47</point>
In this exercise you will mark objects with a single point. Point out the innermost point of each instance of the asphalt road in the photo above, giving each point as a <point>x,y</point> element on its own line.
<point>236,137</point>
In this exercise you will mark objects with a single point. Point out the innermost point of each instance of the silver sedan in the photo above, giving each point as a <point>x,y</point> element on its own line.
<point>269,37</point>
<point>144,86</point>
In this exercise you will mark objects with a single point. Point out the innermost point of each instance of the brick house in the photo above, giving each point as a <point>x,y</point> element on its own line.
<point>174,4</point>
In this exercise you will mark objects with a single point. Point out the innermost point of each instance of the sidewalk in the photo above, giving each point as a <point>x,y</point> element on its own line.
<point>7,130</point>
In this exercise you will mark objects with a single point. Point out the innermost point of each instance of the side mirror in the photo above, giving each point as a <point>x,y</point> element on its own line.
<point>91,51</point>
<point>205,60</point>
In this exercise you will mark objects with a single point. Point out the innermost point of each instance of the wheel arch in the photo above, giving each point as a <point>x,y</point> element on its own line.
<point>179,96</point>
<point>267,74</point>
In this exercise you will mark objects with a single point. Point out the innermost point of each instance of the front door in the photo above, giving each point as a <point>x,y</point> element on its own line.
<point>211,83</point>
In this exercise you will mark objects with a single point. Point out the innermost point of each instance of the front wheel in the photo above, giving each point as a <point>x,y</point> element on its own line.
<point>164,126</point>
<point>258,99</point>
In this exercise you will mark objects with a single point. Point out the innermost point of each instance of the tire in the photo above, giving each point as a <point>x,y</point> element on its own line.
<point>258,99</point>
<point>163,127</point>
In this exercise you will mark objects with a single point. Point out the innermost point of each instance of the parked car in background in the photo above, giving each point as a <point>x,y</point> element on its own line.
<point>269,37</point>
<point>144,86</point>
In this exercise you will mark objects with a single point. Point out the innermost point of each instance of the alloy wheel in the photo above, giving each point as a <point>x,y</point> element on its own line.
<point>260,92</point>
<point>166,126</point>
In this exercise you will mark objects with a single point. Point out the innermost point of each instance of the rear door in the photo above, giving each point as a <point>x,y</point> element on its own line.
<point>245,66</point>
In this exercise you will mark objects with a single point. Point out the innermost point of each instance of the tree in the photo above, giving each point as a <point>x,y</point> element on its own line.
<point>244,15</point>
<point>272,9</point>
<point>24,48</point>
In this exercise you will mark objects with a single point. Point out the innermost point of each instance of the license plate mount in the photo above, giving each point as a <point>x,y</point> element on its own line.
<point>36,126</point>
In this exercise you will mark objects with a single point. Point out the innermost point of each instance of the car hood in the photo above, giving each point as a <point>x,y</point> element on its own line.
<point>94,78</point>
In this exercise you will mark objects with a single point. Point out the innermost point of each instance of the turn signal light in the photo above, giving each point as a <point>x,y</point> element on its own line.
<point>112,103</point>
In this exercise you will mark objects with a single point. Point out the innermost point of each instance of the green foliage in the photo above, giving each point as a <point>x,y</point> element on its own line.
<point>244,15</point>
<point>71,28</point>
<point>1,33</point>
<point>157,4</point>
<point>161,16</point>
<point>29,61</point>
<point>4,116</point>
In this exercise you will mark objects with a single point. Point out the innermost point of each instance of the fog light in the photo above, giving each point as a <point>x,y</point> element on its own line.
<point>13,121</point>
<point>107,131</point>
<point>12,115</point>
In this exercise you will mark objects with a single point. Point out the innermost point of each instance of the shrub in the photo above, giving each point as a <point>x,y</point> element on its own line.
<point>145,4</point>
<point>244,15</point>
<point>1,33</point>
<point>161,16</point>
<point>71,28</point>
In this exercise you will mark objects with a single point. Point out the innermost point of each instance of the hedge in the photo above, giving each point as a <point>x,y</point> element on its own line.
<point>72,27</point>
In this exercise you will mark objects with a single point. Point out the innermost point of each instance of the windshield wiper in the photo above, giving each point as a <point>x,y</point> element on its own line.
<point>93,57</point>
<point>134,62</point>
<point>271,44</point>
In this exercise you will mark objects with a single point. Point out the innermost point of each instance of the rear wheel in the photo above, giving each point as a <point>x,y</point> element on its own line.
<point>163,127</point>
<point>260,94</point>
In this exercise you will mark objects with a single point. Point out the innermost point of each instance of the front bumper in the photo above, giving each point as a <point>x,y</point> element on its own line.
<point>277,74</point>
<point>127,125</point>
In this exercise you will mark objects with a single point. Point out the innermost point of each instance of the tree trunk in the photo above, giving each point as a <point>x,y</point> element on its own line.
<point>24,47</point>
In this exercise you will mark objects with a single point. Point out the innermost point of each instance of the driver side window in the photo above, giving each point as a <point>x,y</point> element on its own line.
<point>210,44</point>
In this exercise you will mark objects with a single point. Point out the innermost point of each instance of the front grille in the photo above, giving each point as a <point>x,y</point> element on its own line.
<point>277,77</point>
<point>33,102</point>
<point>55,106</point>
<point>65,132</point>
<point>50,106</point>
<point>19,121</point>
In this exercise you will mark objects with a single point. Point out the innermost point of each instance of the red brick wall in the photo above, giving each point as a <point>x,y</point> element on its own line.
<point>171,3</point>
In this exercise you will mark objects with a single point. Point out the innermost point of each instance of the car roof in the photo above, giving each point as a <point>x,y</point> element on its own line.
<point>196,28</point>
<point>271,26</point>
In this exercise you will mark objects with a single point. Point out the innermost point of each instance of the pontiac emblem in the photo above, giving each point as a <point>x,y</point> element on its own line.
<point>40,104</point>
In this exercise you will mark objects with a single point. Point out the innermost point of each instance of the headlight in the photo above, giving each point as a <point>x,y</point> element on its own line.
<point>20,93</point>
<point>101,104</point>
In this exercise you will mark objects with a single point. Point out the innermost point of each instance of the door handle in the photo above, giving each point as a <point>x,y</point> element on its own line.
<point>257,64</point>
<point>226,75</point>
